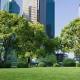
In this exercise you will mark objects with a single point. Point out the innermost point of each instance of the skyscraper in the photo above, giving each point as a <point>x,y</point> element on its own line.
<point>79,11</point>
<point>42,11</point>
<point>15,6</point>
<point>30,10</point>
<point>4,5</point>
<point>0,4</point>
<point>47,15</point>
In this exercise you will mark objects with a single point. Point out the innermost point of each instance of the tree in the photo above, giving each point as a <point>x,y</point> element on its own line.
<point>31,38</point>
<point>21,37</point>
<point>20,34</point>
<point>52,45</point>
<point>70,37</point>
<point>8,24</point>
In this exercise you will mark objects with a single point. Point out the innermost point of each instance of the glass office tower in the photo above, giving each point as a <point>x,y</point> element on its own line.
<point>15,6</point>
<point>4,5</point>
<point>47,15</point>
<point>0,4</point>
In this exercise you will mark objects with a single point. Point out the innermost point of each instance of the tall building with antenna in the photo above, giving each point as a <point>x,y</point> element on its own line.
<point>4,5</point>
<point>79,11</point>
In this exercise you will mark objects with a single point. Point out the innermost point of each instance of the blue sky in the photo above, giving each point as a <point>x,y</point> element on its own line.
<point>65,11</point>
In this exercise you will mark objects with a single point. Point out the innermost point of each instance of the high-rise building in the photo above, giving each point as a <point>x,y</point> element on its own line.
<point>0,4</point>
<point>15,6</point>
<point>47,15</point>
<point>4,5</point>
<point>79,11</point>
<point>42,11</point>
<point>30,10</point>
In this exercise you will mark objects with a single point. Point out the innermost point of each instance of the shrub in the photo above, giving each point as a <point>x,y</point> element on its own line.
<point>77,64</point>
<point>42,64</point>
<point>56,65</point>
<point>22,65</point>
<point>69,63</point>
<point>5,65</point>
<point>1,65</point>
<point>49,60</point>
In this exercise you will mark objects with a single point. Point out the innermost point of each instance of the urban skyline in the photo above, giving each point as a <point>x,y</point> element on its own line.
<point>63,12</point>
<point>42,11</point>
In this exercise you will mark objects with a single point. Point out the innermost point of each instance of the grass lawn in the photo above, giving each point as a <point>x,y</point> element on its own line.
<point>40,74</point>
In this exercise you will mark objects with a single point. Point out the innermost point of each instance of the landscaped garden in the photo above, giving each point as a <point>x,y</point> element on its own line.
<point>27,53</point>
<point>25,44</point>
<point>40,74</point>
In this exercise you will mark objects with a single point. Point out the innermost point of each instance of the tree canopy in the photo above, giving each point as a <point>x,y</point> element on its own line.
<point>25,37</point>
<point>70,37</point>
<point>20,34</point>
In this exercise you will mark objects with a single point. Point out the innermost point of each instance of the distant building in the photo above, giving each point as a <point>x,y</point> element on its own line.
<point>47,15</point>
<point>42,11</point>
<point>0,4</point>
<point>15,6</point>
<point>79,11</point>
<point>30,10</point>
<point>4,5</point>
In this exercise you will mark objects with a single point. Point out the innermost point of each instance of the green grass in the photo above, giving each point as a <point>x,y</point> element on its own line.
<point>40,74</point>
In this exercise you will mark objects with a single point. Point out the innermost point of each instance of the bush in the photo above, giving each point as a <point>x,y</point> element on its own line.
<point>77,64</point>
<point>49,60</point>
<point>42,64</point>
<point>22,65</point>
<point>69,63</point>
<point>1,64</point>
<point>56,65</point>
<point>5,65</point>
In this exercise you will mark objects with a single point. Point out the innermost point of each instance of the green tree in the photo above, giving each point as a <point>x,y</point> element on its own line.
<point>20,34</point>
<point>8,24</point>
<point>31,38</point>
<point>70,37</point>
<point>52,45</point>
<point>26,38</point>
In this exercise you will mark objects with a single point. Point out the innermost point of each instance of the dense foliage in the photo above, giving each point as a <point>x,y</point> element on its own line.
<point>19,34</point>
<point>69,63</point>
<point>22,39</point>
<point>70,37</point>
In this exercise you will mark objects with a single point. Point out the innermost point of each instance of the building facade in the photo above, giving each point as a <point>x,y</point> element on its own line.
<point>30,10</point>
<point>4,5</point>
<point>47,16</point>
<point>42,11</point>
<point>79,11</point>
<point>15,6</point>
<point>0,4</point>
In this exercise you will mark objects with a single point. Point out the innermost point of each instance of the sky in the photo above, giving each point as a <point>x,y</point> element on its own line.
<point>65,11</point>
